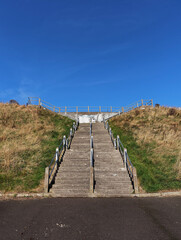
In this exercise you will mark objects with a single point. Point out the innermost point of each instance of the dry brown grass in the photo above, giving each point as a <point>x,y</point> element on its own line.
<point>158,128</point>
<point>22,131</point>
<point>154,124</point>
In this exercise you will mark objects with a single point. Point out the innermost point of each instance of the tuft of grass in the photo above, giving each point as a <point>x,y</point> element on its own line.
<point>28,139</point>
<point>153,139</point>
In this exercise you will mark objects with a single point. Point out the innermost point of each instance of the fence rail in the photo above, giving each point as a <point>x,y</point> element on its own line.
<point>87,109</point>
<point>124,155</point>
<point>51,170</point>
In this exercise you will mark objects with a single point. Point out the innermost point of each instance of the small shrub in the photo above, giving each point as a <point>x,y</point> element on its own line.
<point>137,112</point>
<point>172,112</point>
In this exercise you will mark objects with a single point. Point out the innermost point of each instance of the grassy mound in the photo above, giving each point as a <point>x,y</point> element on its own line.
<point>153,139</point>
<point>28,139</point>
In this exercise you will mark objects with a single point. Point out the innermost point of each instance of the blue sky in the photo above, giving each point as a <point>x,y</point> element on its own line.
<point>98,52</point>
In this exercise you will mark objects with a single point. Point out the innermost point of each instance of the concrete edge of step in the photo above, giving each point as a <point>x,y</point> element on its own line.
<point>6,196</point>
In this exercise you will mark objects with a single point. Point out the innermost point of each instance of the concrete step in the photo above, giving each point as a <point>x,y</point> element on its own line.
<point>75,174</point>
<point>70,194</point>
<point>71,187</point>
<point>113,186</point>
<point>75,177</point>
<point>72,180</point>
<point>70,191</point>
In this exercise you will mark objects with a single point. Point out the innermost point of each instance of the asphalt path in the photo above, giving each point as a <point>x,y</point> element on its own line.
<point>86,218</point>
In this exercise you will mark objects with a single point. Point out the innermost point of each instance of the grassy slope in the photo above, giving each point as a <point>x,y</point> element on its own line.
<point>153,139</point>
<point>28,139</point>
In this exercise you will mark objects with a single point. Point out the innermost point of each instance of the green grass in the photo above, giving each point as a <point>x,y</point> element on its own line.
<point>155,172</point>
<point>26,171</point>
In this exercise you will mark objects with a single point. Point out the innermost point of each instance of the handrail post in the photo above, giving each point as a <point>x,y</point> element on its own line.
<point>67,143</point>
<point>74,127</point>
<point>91,142</point>
<point>125,157</point>
<point>110,131</point>
<point>118,142</point>
<point>64,142</point>
<point>57,154</point>
<point>115,144</point>
<point>46,180</point>
<point>90,129</point>
<point>135,180</point>
<point>71,133</point>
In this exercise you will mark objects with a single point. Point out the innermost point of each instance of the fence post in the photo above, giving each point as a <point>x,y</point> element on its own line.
<point>59,109</point>
<point>39,102</point>
<point>122,109</point>
<point>88,108</point>
<point>54,108</point>
<point>152,102</point>
<point>125,157</point>
<point>137,104</point>
<point>111,109</point>
<point>65,109</point>
<point>46,180</point>
<point>142,102</point>
<point>76,109</point>
<point>100,109</point>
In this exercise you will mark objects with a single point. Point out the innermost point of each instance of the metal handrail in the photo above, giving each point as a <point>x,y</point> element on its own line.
<point>118,145</point>
<point>57,158</point>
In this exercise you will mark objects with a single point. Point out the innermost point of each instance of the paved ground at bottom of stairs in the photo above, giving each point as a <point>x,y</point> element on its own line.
<point>98,218</point>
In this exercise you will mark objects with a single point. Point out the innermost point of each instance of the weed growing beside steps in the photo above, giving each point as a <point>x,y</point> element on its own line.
<point>153,139</point>
<point>28,139</point>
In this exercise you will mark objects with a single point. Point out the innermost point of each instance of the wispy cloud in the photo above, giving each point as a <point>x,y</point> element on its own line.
<point>20,93</point>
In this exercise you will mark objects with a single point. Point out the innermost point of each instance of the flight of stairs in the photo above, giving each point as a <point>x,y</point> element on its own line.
<point>73,177</point>
<point>111,177</point>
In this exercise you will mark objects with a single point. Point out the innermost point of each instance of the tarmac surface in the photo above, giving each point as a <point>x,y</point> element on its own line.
<point>86,218</point>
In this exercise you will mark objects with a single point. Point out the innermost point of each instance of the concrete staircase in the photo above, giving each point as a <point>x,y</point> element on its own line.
<point>111,177</point>
<point>73,177</point>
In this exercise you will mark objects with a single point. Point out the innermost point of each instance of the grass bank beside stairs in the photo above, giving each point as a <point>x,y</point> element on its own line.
<point>28,139</point>
<point>152,137</point>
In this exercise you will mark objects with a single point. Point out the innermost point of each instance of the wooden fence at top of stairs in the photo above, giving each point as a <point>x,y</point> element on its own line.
<point>88,109</point>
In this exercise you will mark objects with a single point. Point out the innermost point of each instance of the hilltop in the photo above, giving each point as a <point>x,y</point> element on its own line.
<point>28,138</point>
<point>152,137</point>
